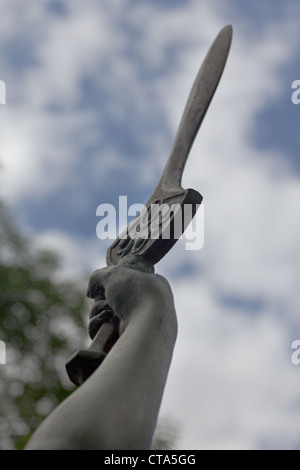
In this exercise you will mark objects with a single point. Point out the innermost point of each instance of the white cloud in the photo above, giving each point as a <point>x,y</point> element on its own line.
<point>78,257</point>
<point>232,383</point>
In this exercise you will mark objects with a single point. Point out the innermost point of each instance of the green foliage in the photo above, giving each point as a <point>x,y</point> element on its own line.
<point>42,321</point>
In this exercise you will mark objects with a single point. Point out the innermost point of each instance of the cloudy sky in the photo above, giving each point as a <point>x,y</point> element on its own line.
<point>95,91</point>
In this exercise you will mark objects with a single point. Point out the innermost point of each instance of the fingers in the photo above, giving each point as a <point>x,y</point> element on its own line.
<point>102,312</point>
<point>120,290</point>
<point>104,316</point>
<point>99,306</point>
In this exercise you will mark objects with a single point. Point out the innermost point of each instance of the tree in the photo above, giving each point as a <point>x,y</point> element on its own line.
<point>42,322</point>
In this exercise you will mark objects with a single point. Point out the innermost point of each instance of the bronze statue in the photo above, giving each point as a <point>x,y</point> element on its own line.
<point>133,322</point>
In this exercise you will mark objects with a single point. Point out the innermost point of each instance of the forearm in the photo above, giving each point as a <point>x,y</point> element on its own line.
<point>117,407</point>
<point>135,372</point>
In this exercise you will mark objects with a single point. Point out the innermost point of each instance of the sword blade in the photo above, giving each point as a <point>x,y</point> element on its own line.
<point>202,92</point>
<point>169,190</point>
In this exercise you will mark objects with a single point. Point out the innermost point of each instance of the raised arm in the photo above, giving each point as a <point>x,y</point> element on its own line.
<point>117,407</point>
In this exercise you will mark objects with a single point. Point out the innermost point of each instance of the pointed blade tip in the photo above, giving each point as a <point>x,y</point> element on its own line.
<point>228,30</point>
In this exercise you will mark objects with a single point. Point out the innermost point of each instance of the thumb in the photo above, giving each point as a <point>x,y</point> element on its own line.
<point>98,282</point>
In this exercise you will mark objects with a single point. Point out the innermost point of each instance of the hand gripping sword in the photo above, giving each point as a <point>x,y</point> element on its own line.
<point>138,239</point>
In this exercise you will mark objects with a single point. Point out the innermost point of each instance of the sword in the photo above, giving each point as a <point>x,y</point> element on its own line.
<point>137,239</point>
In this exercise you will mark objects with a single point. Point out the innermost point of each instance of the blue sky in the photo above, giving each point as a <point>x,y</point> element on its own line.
<point>95,92</point>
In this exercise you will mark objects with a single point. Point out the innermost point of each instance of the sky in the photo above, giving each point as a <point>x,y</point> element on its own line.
<point>94,95</point>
